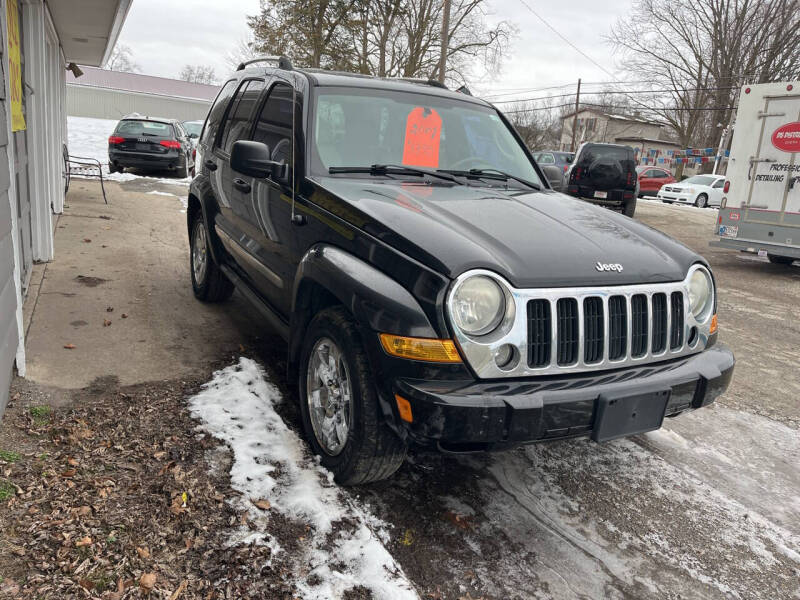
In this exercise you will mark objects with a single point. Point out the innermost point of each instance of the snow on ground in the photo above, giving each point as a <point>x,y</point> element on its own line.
<point>88,138</point>
<point>271,463</point>
<point>655,200</point>
<point>714,499</point>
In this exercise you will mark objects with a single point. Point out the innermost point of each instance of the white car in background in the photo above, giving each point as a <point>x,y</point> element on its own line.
<point>700,190</point>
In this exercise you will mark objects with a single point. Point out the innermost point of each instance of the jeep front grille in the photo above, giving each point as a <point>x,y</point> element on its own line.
<point>635,337</point>
<point>574,330</point>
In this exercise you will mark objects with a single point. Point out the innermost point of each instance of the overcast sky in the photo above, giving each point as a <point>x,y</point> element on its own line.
<point>164,36</point>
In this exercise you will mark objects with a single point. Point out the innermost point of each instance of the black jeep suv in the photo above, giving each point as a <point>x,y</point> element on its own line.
<point>150,143</point>
<point>431,287</point>
<point>605,174</point>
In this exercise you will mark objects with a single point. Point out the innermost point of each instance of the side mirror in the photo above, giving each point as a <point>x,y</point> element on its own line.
<point>253,159</point>
<point>192,136</point>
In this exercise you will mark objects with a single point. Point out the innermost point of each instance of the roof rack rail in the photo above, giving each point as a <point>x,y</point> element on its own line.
<point>422,81</point>
<point>282,62</point>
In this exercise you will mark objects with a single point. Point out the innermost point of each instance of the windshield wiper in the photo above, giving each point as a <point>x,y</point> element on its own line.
<point>393,170</point>
<point>496,174</point>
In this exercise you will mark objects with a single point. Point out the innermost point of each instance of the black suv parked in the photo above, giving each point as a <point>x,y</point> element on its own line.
<point>431,288</point>
<point>150,143</point>
<point>605,174</point>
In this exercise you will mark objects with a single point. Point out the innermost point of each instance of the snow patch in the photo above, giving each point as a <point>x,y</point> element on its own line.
<point>270,462</point>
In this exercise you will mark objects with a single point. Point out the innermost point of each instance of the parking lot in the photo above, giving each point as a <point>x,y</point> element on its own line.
<point>707,507</point>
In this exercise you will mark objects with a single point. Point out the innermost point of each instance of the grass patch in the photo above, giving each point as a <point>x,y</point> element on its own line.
<point>6,490</point>
<point>9,456</point>
<point>41,414</point>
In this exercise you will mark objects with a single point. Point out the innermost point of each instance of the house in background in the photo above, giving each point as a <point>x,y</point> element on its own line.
<point>40,38</point>
<point>105,94</point>
<point>650,138</point>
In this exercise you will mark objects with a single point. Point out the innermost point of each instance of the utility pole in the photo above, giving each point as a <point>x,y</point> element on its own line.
<point>445,40</point>
<point>575,117</point>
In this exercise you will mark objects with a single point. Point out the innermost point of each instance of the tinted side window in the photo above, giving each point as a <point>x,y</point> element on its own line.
<point>274,126</point>
<point>217,110</point>
<point>720,183</point>
<point>237,122</point>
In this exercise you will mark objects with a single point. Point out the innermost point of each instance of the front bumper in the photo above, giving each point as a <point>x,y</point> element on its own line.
<point>486,415</point>
<point>676,197</point>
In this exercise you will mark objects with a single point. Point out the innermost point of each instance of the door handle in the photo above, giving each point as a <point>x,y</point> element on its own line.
<point>241,185</point>
<point>210,164</point>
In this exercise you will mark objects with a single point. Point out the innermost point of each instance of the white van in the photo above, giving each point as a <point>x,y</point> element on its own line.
<point>760,210</point>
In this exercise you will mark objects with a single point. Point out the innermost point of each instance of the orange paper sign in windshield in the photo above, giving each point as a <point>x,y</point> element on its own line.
<point>423,129</point>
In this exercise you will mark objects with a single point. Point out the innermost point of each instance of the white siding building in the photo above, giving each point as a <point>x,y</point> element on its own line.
<point>104,94</point>
<point>39,39</point>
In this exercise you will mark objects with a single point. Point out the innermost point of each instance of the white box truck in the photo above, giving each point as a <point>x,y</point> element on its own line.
<point>760,209</point>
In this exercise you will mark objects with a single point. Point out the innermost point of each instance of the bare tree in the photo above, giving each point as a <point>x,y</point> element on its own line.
<point>538,123</point>
<point>198,74</point>
<point>121,59</point>
<point>244,50</point>
<point>698,54</point>
<point>388,38</point>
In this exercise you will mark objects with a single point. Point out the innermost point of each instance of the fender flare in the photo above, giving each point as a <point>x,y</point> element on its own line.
<point>377,302</point>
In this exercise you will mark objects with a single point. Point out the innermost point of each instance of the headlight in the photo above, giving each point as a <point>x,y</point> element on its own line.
<point>689,190</point>
<point>701,295</point>
<point>478,305</point>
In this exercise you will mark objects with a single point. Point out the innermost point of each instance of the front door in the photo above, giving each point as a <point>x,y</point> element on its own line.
<point>272,199</point>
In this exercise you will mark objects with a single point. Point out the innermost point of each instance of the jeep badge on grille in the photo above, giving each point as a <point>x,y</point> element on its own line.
<point>609,267</point>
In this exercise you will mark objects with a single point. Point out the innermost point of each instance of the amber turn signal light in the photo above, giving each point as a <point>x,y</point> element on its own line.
<point>404,408</point>
<point>713,328</point>
<point>427,349</point>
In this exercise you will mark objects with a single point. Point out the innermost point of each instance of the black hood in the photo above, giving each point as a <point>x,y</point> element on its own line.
<point>533,239</point>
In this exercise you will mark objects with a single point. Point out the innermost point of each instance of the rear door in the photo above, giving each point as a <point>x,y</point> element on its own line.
<point>773,197</point>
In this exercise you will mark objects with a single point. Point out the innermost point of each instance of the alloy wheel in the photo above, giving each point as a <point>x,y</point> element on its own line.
<point>329,396</point>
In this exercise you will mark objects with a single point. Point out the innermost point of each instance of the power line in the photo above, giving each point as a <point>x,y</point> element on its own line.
<point>611,106</point>
<point>604,92</point>
<point>573,46</point>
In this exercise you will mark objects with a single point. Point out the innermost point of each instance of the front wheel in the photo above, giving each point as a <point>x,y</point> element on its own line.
<point>701,201</point>
<point>339,403</point>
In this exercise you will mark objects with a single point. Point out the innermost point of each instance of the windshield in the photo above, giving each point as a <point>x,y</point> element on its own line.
<point>700,180</point>
<point>132,127</point>
<point>193,127</point>
<point>360,128</point>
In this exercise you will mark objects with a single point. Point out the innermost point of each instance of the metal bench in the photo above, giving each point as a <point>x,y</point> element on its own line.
<point>82,166</point>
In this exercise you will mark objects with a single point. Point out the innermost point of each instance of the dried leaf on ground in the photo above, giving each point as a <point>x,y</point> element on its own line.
<point>147,581</point>
<point>263,504</point>
<point>69,346</point>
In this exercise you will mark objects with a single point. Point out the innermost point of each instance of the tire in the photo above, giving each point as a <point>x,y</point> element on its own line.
<point>701,201</point>
<point>629,208</point>
<point>370,451</point>
<point>183,171</point>
<point>780,260</point>
<point>113,169</point>
<point>208,282</point>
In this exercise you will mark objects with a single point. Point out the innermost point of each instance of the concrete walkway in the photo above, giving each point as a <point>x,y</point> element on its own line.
<point>130,256</point>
